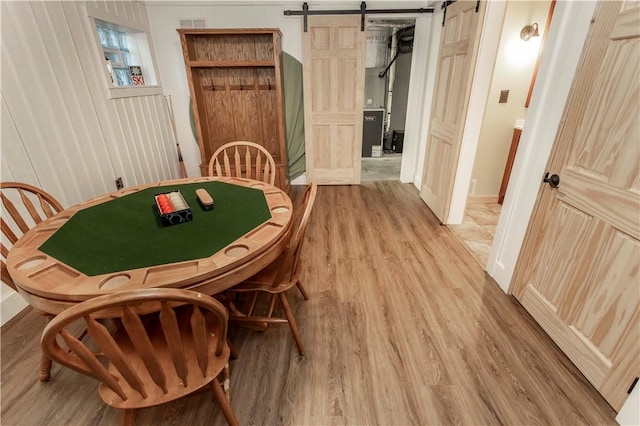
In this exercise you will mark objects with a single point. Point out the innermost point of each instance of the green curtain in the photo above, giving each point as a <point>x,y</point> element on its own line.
<point>294,115</point>
<point>192,120</point>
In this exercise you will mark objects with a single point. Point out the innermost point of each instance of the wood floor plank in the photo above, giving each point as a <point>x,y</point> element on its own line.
<point>402,327</point>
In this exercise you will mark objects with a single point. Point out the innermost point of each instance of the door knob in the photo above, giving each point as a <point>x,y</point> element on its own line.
<point>553,180</point>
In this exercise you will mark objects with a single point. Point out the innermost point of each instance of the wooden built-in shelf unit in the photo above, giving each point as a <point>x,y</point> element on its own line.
<point>235,79</point>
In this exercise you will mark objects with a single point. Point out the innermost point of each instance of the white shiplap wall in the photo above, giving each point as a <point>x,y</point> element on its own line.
<point>60,130</point>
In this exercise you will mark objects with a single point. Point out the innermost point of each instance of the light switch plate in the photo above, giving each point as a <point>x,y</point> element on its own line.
<point>504,96</point>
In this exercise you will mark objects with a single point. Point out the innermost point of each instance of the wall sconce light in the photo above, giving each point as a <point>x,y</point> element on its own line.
<point>529,31</point>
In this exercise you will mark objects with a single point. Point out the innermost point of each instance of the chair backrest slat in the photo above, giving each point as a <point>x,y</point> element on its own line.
<point>32,209</point>
<point>250,160</point>
<point>237,164</point>
<point>112,351</point>
<point>268,171</point>
<point>227,164</point>
<point>46,207</point>
<point>199,330</point>
<point>218,167</point>
<point>172,336</point>
<point>258,165</point>
<point>10,208</point>
<point>17,206</point>
<point>92,365</point>
<point>9,234</point>
<point>142,343</point>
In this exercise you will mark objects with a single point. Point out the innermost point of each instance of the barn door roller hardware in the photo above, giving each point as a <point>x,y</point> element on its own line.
<point>362,12</point>
<point>449,2</point>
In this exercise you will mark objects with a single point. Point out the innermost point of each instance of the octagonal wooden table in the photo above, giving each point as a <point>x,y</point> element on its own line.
<point>94,248</point>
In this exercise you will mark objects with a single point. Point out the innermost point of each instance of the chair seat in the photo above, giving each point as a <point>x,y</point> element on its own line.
<point>176,389</point>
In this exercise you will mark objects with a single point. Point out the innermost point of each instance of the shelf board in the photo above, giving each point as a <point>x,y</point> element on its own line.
<point>230,64</point>
<point>248,32</point>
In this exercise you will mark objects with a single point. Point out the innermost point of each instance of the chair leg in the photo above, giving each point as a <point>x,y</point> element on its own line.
<point>292,322</point>
<point>129,418</point>
<point>45,363</point>
<point>226,382</point>
<point>233,353</point>
<point>224,403</point>
<point>272,305</point>
<point>302,290</point>
<point>45,368</point>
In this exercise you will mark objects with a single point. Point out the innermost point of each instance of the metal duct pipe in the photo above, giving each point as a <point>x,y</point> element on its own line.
<point>390,80</point>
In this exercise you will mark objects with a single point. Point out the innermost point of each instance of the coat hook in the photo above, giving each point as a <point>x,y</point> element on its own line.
<point>213,86</point>
<point>269,83</point>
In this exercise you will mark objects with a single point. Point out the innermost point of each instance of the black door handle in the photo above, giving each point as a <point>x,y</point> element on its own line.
<point>553,180</point>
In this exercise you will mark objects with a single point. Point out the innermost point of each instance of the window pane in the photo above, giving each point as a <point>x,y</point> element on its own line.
<point>113,38</point>
<point>122,40</point>
<point>123,77</point>
<point>126,56</point>
<point>104,37</point>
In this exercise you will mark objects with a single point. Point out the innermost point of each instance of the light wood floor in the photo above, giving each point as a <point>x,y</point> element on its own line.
<point>478,229</point>
<point>403,327</point>
<point>386,167</point>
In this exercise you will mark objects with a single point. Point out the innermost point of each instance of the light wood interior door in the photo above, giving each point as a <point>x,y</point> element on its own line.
<point>456,63</point>
<point>333,71</point>
<point>578,274</point>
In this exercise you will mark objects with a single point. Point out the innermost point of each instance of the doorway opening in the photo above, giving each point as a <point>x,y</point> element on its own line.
<point>389,47</point>
<point>504,116</point>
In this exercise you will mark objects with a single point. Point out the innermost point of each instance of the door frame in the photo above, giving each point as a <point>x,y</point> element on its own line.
<point>415,132</point>
<point>415,126</point>
<point>558,64</point>
<point>567,33</point>
<point>419,76</point>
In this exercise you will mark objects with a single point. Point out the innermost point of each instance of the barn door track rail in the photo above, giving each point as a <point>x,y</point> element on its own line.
<point>362,12</point>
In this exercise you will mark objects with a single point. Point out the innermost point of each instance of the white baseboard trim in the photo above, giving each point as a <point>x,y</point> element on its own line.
<point>482,199</point>
<point>300,180</point>
<point>11,306</point>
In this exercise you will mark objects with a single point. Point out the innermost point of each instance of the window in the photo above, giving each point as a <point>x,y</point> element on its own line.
<point>125,51</point>
<point>116,52</point>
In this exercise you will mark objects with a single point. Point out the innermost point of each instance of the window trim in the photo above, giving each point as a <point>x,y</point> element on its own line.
<point>115,92</point>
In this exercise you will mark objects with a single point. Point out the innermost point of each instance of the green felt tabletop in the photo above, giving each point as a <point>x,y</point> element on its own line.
<point>127,233</point>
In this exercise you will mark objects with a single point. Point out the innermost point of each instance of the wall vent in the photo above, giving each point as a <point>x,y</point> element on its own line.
<point>193,23</point>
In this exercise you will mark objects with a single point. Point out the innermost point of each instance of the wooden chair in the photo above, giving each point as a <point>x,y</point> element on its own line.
<point>276,279</point>
<point>243,159</point>
<point>168,343</point>
<point>24,206</point>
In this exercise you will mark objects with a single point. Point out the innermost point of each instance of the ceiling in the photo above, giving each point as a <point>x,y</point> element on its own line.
<point>297,4</point>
